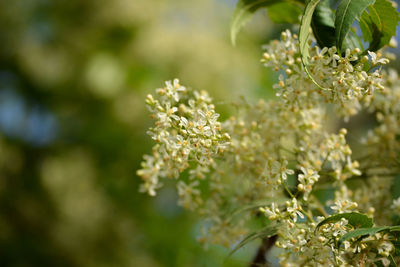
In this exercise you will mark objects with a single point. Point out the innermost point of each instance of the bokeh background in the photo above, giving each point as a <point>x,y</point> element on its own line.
<point>73,78</point>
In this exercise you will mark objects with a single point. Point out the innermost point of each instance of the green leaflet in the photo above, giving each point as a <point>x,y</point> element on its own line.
<point>357,220</point>
<point>246,8</point>
<point>360,233</point>
<point>323,25</point>
<point>244,11</point>
<point>379,25</point>
<point>347,12</point>
<point>304,32</point>
<point>285,12</point>
<point>364,232</point>
<point>268,231</point>
<point>352,41</point>
<point>304,35</point>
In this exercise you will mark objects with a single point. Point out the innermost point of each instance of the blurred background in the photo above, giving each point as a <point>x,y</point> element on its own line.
<point>73,78</point>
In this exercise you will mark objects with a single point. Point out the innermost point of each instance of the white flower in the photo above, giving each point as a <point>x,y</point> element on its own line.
<point>279,169</point>
<point>396,206</point>
<point>294,210</point>
<point>376,60</point>
<point>272,212</point>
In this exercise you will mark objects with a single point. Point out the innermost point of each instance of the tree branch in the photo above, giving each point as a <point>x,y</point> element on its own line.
<point>260,259</point>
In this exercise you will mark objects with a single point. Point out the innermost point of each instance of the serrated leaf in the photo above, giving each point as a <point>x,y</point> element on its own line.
<point>379,25</point>
<point>366,26</point>
<point>285,12</point>
<point>323,25</point>
<point>244,11</point>
<point>347,12</point>
<point>357,220</point>
<point>268,231</point>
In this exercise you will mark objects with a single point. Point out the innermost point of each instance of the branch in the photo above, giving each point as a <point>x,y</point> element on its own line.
<point>260,259</point>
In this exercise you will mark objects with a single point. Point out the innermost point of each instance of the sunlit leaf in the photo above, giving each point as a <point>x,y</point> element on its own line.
<point>304,36</point>
<point>243,13</point>
<point>357,220</point>
<point>285,12</point>
<point>246,8</point>
<point>379,24</point>
<point>364,232</point>
<point>347,12</point>
<point>360,233</point>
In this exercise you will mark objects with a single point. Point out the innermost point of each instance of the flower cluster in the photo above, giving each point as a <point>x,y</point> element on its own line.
<point>186,129</point>
<point>279,158</point>
<point>343,79</point>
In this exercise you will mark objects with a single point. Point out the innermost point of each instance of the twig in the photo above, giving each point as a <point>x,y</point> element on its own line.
<point>260,259</point>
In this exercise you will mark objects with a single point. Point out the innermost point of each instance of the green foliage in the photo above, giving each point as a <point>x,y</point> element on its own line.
<point>304,36</point>
<point>323,24</point>
<point>357,220</point>
<point>347,12</point>
<point>285,12</point>
<point>364,232</point>
<point>379,24</point>
<point>361,232</point>
<point>363,227</point>
<point>243,13</point>
<point>268,231</point>
<point>330,28</point>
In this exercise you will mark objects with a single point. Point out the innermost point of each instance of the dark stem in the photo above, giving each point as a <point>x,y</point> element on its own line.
<point>260,259</point>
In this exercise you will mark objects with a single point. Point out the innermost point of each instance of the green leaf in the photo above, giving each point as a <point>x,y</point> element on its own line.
<point>268,231</point>
<point>352,41</point>
<point>394,228</point>
<point>357,220</point>
<point>366,26</point>
<point>304,35</point>
<point>246,8</point>
<point>323,25</point>
<point>361,232</point>
<point>379,25</point>
<point>244,11</point>
<point>285,12</point>
<point>304,32</point>
<point>347,12</point>
<point>396,187</point>
<point>364,232</point>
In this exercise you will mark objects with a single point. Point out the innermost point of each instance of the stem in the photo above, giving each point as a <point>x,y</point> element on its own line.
<point>319,206</point>
<point>287,190</point>
<point>260,259</point>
